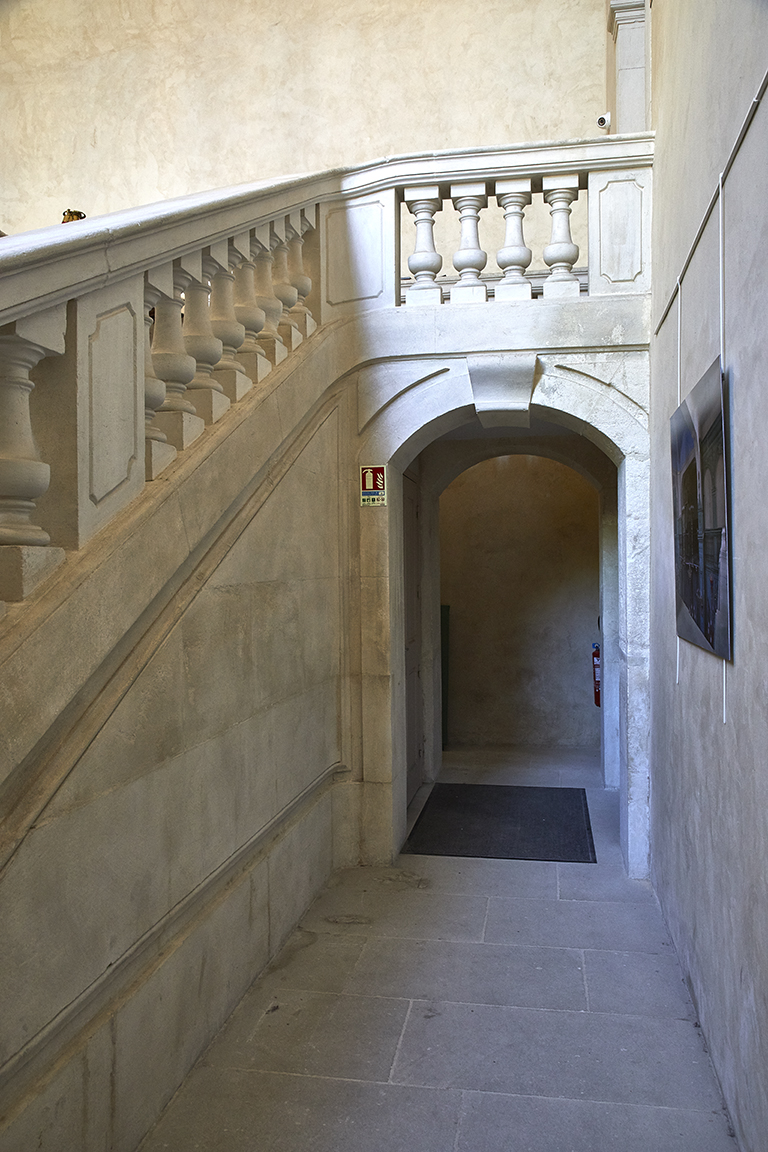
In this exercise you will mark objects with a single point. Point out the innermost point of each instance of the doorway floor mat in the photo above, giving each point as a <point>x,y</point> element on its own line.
<point>504,822</point>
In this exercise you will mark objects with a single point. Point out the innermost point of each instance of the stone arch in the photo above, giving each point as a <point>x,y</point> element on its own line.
<point>614,424</point>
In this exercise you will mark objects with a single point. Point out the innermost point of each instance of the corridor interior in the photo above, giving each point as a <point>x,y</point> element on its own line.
<point>466,1005</point>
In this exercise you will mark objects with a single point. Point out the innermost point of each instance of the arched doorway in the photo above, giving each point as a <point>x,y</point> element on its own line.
<point>520,583</point>
<point>437,422</point>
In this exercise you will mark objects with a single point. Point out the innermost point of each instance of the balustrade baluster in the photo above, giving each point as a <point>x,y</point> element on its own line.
<point>176,416</point>
<point>24,477</point>
<point>513,259</point>
<point>158,453</point>
<point>426,262</point>
<point>286,293</point>
<point>201,342</point>
<point>470,259</point>
<point>229,372</point>
<point>253,318</point>
<point>269,337</point>
<point>298,277</point>
<point>561,253</point>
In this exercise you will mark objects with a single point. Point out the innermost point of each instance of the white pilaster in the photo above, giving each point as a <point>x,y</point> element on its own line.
<point>626,24</point>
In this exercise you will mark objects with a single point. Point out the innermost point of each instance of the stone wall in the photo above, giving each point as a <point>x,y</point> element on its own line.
<point>519,567</point>
<point>191,788</point>
<point>203,708</point>
<point>107,104</point>
<point>710,724</point>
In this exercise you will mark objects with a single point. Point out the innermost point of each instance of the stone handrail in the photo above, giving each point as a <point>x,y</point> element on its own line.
<point>123,337</point>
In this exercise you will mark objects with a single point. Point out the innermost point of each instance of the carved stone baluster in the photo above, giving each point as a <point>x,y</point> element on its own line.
<point>24,477</point>
<point>158,453</point>
<point>253,318</point>
<point>426,262</point>
<point>229,372</point>
<point>298,277</point>
<point>176,417</point>
<point>286,293</point>
<point>200,342</point>
<point>269,337</point>
<point>561,253</point>
<point>514,257</point>
<point>470,259</point>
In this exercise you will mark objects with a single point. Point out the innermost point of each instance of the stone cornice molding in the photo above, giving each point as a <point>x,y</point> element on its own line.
<point>624,12</point>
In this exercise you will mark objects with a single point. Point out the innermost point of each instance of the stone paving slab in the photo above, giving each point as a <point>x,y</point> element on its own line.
<point>459,1005</point>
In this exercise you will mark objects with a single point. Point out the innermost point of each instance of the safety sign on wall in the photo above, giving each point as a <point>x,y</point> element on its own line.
<point>373,484</point>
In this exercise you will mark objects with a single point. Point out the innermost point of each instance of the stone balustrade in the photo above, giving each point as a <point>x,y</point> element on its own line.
<point>122,339</point>
<point>618,215</point>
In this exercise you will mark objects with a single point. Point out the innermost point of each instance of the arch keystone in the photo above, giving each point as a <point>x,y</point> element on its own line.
<point>502,387</point>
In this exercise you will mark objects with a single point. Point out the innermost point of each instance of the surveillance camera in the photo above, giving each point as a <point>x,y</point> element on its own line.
<point>604,121</point>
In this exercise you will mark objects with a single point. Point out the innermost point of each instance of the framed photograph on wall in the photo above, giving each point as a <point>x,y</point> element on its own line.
<point>702,529</point>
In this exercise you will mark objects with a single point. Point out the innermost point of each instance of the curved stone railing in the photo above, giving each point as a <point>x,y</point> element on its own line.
<point>122,338</point>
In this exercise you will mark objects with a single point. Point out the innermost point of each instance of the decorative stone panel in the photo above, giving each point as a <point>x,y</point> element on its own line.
<point>115,433</point>
<point>355,238</point>
<point>619,232</point>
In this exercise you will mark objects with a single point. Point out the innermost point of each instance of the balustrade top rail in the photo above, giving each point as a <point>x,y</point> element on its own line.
<point>41,268</point>
<point>123,337</point>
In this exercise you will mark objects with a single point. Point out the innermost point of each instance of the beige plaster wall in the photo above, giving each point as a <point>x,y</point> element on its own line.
<point>709,781</point>
<point>519,568</point>
<point>107,104</point>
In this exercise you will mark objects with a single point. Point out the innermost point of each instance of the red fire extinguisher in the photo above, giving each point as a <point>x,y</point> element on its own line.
<point>596,672</point>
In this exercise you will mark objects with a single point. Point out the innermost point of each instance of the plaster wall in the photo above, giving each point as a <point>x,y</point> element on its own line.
<point>710,788</point>
<point>519,566</point>
<point>107,104</point>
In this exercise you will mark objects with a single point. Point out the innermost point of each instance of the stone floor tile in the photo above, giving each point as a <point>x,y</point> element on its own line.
<point>532,1124</point>
<point>586,777</point>
<point>420,915</point>
<point>525,776</point>
<point>471,973</point>
<point>602,881</point>
<point>539,1006</point>
<point>605,802</point>
<point>604,814</point>
<point>313,961</point>
<point>531,879</point>
<point>317,1034</point>
<point>608,851</point>
<point>576,1055</point>
<point>600,924</point>
<point>382,879</point>
<point>221,1110</point>
<point>637,983</point>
